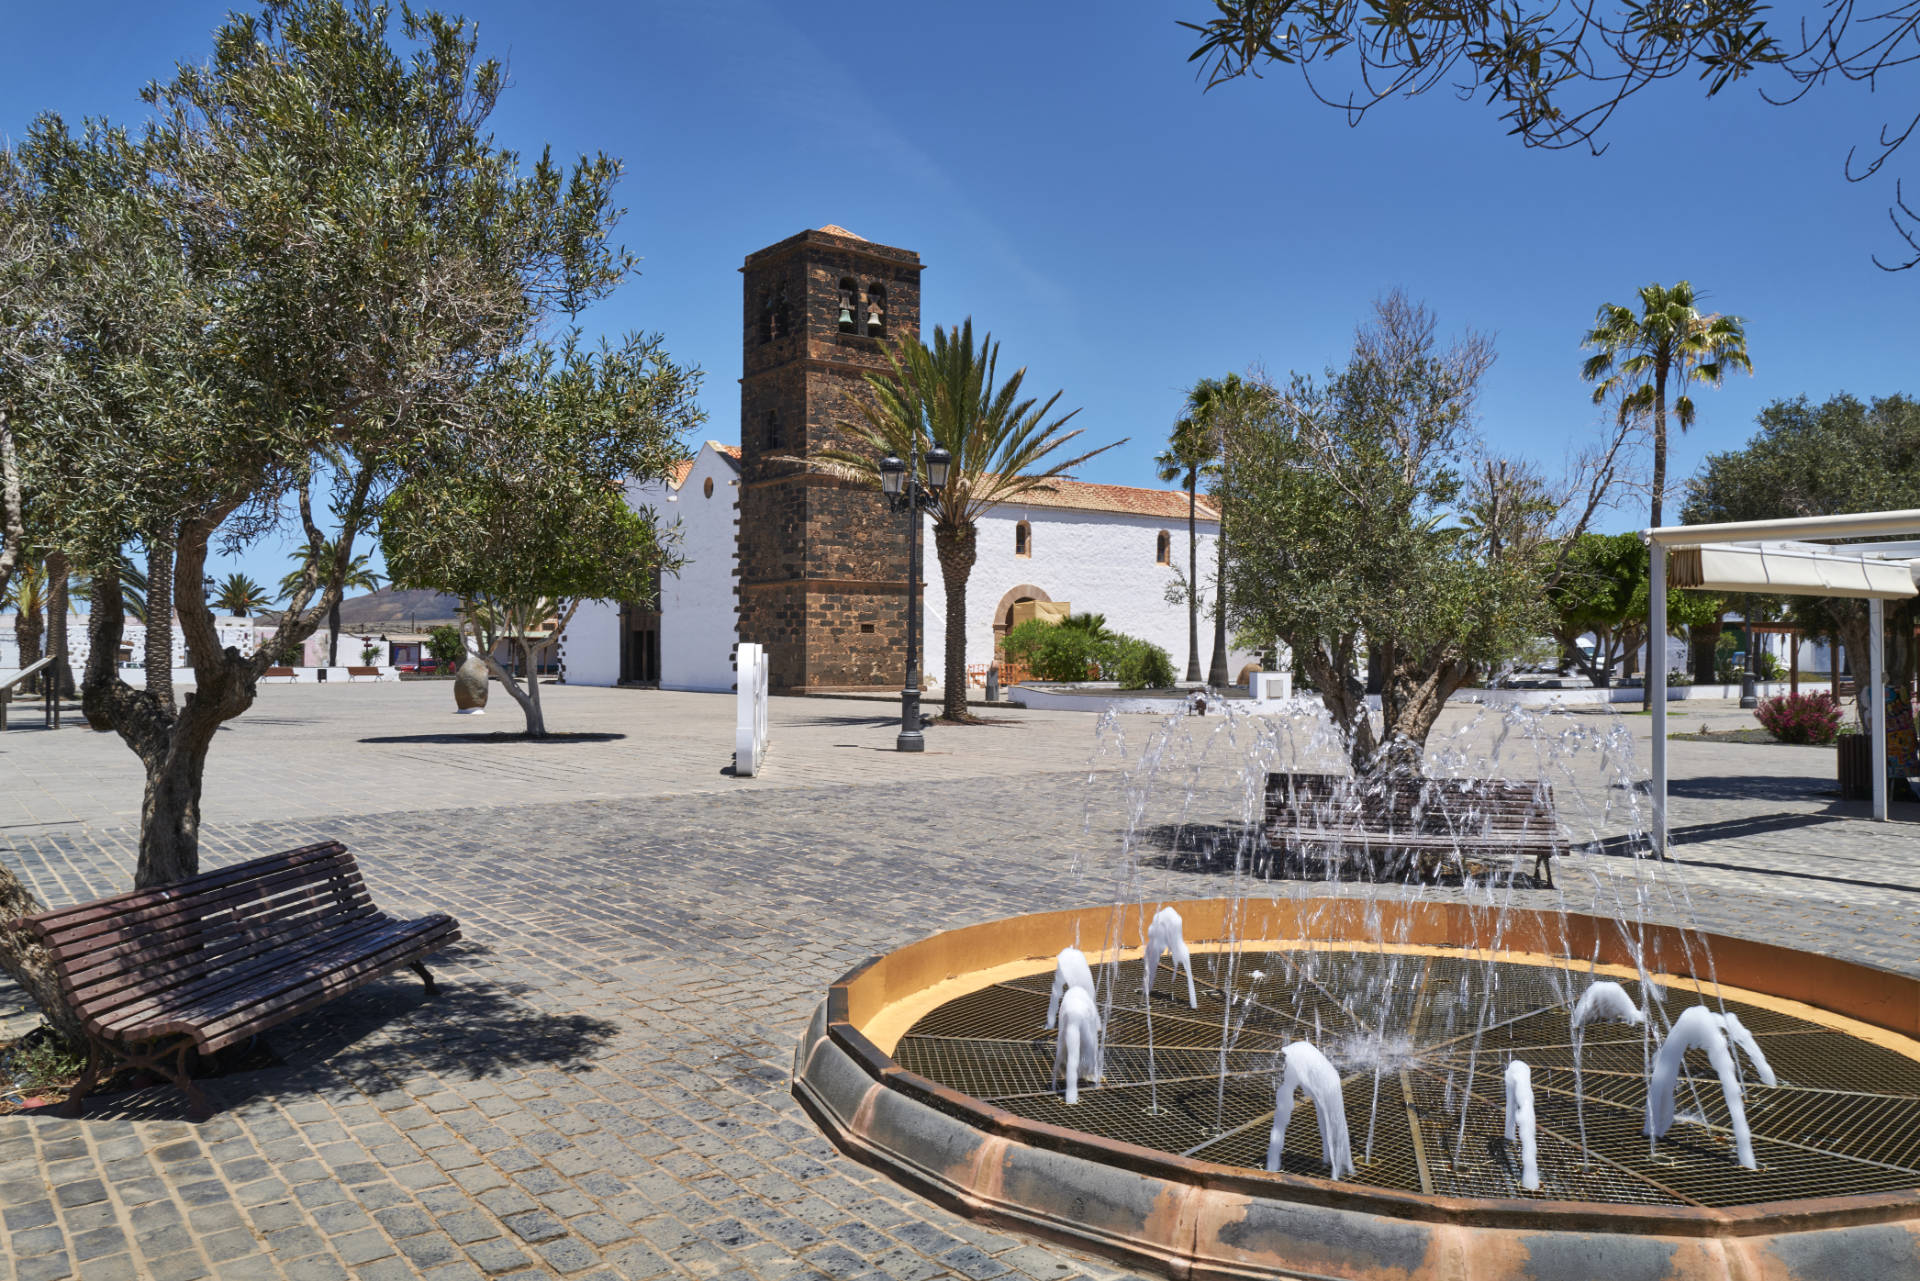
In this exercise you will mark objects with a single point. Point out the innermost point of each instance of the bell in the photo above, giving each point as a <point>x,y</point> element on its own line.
<point>873,318</point>
<point>846,314</point>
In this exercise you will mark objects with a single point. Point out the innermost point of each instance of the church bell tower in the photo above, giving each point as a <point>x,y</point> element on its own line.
<point>823,561</point>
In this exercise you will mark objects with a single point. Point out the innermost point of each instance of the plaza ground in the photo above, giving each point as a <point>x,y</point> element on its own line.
<point>601,1088</point>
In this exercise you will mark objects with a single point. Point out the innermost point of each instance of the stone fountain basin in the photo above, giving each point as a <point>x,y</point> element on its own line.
<point>1192,1218</point>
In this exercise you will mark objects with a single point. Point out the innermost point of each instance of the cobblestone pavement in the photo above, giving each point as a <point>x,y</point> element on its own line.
<point>601,1088</point>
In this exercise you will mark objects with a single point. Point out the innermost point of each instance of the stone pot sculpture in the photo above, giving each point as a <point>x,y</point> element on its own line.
<point>470,687</point>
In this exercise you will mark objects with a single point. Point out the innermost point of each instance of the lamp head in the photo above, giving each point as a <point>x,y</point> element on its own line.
<point>938,462</point>
<point>892,473</point>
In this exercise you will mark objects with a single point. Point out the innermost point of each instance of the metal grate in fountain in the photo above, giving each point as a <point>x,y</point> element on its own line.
<point>1845,1118</point>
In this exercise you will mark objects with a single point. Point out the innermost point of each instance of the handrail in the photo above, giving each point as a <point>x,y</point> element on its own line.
<point>6,686</point>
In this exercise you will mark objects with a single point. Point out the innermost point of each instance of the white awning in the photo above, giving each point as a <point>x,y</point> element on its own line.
<point>1784,569</point>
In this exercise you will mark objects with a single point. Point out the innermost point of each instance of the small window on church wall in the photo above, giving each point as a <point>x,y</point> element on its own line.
<point>766,316</point>
<point>849,305</point>
<point>1023,539</point>
<point>707,488</point>
<point>1163,548</point>
<point>776,438</point>
<point>782,314</point>
<point>876,309</point>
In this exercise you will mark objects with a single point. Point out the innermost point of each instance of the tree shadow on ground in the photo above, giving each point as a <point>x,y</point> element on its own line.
<point>374,1039</point>
<point>499,736</point>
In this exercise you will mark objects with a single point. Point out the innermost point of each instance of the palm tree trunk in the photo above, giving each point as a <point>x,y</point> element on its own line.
<point>1217,674</point>
<point>954,544</point>
<point>333,635</point>
<point>1193,575</point>
<point>57,575</point>
<point>27,631</point>
<point>159,642</point>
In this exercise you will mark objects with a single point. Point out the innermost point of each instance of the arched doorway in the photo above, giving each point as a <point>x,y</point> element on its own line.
<point>1003,613</point>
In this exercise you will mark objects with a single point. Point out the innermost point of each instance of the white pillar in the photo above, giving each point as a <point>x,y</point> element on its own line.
<point>1657,676</point>
<point>1877,706</point>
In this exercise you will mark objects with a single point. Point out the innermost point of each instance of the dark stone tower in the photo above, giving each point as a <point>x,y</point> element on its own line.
<point>823,562</point>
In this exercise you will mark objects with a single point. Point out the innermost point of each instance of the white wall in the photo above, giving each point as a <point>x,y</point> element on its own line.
<point>1100,562</point>
<point>697,607</point>
<point>699,618</point>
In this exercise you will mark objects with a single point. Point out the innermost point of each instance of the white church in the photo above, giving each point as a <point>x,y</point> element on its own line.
<point>1103,549</point>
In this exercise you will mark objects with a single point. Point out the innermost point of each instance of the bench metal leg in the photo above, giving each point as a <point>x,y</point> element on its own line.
<point>420,968</point>
<point>76,1103</point>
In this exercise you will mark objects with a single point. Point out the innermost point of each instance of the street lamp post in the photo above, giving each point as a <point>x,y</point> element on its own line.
<point>900,482</point>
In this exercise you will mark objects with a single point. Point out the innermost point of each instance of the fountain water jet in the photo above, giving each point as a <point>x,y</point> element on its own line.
<point>1077,1053</point>
<point>1070,971</point>
<point>1164,939</point>
<point>1699,1028</point>
<point>1520,1122</point>
<point>1308,1070</point>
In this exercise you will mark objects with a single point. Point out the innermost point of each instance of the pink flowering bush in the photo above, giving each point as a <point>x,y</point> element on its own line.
<point>1800,718</point>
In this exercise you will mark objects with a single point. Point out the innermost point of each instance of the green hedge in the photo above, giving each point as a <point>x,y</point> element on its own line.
<point>1082,649</point>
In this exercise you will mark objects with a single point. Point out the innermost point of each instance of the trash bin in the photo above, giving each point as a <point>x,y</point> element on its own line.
<point>1855,753</point>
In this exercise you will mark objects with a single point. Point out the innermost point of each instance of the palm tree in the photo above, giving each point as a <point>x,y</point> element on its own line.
<point>1000,445</point>
<point>1667,345</point>
<point>357,575</point>
<point>1218,407</point>
<point>1189,449</point>
<point>27,594</point>
<point>239,595</point>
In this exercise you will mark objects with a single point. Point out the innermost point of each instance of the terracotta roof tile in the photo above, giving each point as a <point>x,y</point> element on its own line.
<point>1080,495</point>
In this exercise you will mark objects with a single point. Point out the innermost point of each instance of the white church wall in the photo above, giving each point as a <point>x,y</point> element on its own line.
<point>698,613</point>
<point>1100,562</point>
<point>697,607</point>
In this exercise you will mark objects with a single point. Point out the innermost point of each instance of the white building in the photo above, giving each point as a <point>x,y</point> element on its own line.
<point>1103,549</point>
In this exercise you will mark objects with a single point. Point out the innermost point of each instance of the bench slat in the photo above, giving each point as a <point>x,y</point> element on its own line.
<point>113,992</point>
<point>115,904</point>
<point>268,1003</point>
<point>149,948</point>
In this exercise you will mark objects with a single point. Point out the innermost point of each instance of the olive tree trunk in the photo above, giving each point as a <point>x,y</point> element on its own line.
<point>27,962</point>
<point>159,641</point>
<point>955,545</point>
<point>27,631</point>
<point>58,573</point>
<point>528,699</point>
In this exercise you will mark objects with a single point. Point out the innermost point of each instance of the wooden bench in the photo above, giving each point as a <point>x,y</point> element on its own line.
<point>355,673</point>
<point>1425,827</point>
<point>279,673</point>
<point>193,967</point>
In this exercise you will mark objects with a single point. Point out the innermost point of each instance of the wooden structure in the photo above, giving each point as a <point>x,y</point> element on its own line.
<point>157,976</point>
<point>370,673</point>
<point>1404,827</point>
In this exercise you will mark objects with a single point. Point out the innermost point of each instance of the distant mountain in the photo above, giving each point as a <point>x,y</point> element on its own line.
<point>409,611</point>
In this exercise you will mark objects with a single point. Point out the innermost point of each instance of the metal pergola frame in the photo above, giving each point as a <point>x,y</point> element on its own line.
<point>1667,538</point>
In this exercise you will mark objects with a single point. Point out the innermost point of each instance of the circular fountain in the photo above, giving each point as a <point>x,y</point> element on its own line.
<point>932,1064</point>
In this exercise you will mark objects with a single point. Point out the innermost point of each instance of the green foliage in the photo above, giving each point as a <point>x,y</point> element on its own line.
<point>40,1062</point>
<point>240,596</point>
<point>528,517</point>
<point>1080,648</point>
<point>1356,511</point>
<point>1001,446</point>
<point>446,645</point>
<point>1768,667</point>
<point>1800,718</point>
<point>1639,358</point>
<point>1144,665</point>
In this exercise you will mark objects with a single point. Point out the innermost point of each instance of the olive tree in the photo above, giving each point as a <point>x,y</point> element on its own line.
<point>1369,522</point>
<point>525,516</point>
<point>286,289</point>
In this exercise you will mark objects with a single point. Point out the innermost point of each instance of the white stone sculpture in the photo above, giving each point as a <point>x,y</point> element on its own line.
<point>1701,1029</point>
<point>1163,938</point>
<point>1606,1002</point>
<point>1307,1069</point>
<point>1077,1051</point>
<point>1069,971</point>
<point>750,715</point>
<point>1520,1120</point>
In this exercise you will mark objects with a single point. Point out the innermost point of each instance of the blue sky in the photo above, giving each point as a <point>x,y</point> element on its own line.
<point>1071,188</point>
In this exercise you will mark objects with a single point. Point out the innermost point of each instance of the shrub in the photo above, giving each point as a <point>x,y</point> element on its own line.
<point>1768,667</point>
<point>1800,718</point>
<point>446,644</point>
<point>1071,654</point>
<point>1144,665</point>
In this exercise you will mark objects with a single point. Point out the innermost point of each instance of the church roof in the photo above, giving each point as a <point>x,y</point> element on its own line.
<point>1080,495</point>
<point>684,468</point>
<point>835,229</point>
